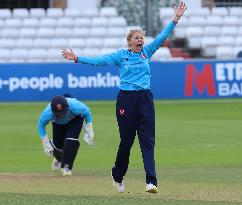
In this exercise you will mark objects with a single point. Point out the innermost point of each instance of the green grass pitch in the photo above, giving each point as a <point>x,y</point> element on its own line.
<point>198,157</point>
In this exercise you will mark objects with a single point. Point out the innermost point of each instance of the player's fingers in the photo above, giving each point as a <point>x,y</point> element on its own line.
<point>179,4</point>
<point>184,6</point>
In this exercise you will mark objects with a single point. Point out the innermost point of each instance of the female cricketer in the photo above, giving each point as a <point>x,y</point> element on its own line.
<point>134,107</point>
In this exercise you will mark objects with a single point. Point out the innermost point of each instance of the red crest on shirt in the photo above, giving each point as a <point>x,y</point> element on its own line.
<point>143,56</point>
<point>121,111</point>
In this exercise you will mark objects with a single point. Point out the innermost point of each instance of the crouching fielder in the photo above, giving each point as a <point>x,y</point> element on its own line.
<point>67,115</point>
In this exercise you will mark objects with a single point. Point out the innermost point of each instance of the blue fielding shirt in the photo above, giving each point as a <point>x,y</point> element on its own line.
<point>75,108</point>
<point>133,67</point>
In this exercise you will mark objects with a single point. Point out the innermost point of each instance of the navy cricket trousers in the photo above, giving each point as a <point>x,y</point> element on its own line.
<point>135,115</point>
<point>70,130</point>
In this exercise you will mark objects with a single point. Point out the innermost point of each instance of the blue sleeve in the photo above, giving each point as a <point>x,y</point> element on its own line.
<point>108,59</point>
<point>79,108</point>
<point>157,42</point>
<point>44,119</point>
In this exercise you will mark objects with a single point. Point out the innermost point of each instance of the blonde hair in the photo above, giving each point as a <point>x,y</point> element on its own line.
<point>132,31</point>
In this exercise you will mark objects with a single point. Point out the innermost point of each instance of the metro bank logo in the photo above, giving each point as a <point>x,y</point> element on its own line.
<point>214,79</point>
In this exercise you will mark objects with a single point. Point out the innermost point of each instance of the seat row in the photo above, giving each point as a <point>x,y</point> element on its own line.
<point>188,32</point>
<point>229,31</point>
<point>212,45</point>
<point>54,55</point>
<point>204,11</point>
<point>227,52</point>
<point>207,21</point>
<point>64,21</point>
<point>58,12</point>
<point>63,43</point>
<point>63,32</point>
<point>202,41</point>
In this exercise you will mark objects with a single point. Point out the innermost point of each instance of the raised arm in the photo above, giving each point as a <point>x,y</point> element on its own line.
<point>108,59</point>
<point>159,40</point>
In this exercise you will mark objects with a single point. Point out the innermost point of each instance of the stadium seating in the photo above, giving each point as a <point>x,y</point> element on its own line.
<point>24,43</point>
<point>38,35</point>
<point>48,22</point>
<point>54,12</point>
<point>6,55</point>
<point>63,32</point>
<point>83,22</point>
<point>102,30</point>
<point>27,32</point>
<point>225,52</point>
<point>94,42</point>
<point>42,43</point>
<point>37,13</point>
<point>37,55</point>
<point>117,32</point>
<point>162,54</point>
<point>31,22</point>
<point>44,32</point>
<point>80,32</point>
<point>20,13</point>
<point>197,20</point>
<point>117,21</point>
<point>19,55</point>
<point>194,36</point>
<point>77,42</point>
<point>235,11</point>
<point>8,43</point>
<point>98,32</point>
<point>90,12</point>
<point>113,43</point>
<point>204,11</point>
<point>74,13</point>
<point>107,50</point>
<point>108,12</point>
<point>5,14</point>
<point>10,33</point>
<point>54,55</point>
<point>215,32</point>
<point>59,43</point>
<point>13,23</point>
<point>231,21</point>
<point>219,11</point>
<point>65,22</point>
<point>91,52</point>
<point>209,45</point>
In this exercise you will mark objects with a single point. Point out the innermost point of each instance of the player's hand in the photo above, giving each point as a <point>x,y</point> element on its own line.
<point>70,55</point>
<point>48,149</point>
<point>179,10</point>
<point>89,134</point>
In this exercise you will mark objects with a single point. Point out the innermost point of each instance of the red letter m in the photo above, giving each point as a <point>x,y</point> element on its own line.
<point>201,80</point>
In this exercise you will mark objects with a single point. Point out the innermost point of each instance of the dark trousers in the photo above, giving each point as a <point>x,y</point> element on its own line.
<point>69,130</point>
<point>135,114</point>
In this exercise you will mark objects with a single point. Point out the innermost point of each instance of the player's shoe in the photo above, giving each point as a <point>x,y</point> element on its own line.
<point>119,187</point>
<point>55,165</point>
<point>151,188</point>
<point>66,171</point>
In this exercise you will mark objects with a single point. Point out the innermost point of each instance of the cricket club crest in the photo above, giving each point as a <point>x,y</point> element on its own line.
<point>143,56</point>
<point>121,111</point>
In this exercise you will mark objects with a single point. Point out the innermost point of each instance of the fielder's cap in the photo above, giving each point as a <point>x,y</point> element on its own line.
<point>59,106</point>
